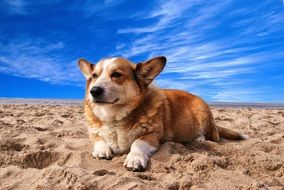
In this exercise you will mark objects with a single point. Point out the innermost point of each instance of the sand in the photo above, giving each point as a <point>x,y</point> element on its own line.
<point>47,147</point>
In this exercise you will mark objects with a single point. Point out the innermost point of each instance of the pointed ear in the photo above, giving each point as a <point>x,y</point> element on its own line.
<point>86,68</point>
<point>148,70</point>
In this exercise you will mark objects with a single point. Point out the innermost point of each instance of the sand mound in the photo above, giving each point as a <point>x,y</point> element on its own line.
<point>47,147</point>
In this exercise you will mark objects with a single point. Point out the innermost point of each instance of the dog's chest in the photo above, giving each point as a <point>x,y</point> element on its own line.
<point>116,137</point>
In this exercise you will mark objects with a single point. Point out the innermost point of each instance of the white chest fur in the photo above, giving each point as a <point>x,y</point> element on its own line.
<point>115,136</point>
<point>108,114</point>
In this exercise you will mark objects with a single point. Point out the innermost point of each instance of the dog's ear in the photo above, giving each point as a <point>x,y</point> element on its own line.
<point>86,68</point>
<point>148,70</point>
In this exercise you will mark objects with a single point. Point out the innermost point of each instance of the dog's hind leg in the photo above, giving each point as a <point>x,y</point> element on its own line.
<point>212,133</point>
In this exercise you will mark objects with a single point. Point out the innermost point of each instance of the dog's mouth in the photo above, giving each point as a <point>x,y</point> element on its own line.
<point>105,102</point>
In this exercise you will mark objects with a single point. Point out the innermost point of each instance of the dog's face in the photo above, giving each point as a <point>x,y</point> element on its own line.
<point>117,80</point>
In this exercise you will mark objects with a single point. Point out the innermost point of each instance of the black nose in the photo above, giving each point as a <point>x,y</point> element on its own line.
<point>96,91</point>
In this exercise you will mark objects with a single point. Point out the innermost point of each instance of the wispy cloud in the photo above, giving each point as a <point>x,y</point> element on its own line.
<point>166,12</point>
<point>37,59</point>
<point>195,51</point>
<point>91,8</point>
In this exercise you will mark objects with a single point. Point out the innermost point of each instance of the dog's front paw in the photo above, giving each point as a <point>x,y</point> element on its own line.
<point>136,162</point>
<point>102,151</point>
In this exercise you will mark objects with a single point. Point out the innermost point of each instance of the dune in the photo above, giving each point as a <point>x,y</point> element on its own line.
<point>46,146</point>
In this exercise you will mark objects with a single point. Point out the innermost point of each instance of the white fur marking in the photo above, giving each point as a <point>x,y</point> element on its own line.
<point>139,155</point>
<point>101,150</point>
<point>107,62</point>
<point>102,78</point>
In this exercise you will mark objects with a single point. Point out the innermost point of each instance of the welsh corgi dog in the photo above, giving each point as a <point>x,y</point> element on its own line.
<point>128,114</point>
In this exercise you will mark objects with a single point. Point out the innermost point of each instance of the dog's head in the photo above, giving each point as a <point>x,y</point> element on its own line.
<point>116,81</point>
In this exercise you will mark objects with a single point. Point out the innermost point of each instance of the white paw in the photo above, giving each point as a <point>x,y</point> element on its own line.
<point>136,161</point>
<point>102,151</point>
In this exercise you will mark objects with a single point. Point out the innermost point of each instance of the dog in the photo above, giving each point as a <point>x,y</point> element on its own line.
<point>126,113</point>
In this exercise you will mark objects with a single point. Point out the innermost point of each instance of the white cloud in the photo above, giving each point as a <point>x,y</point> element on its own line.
<point>199,61</point>
<point>36,59</point>
<point>167,12</point>
<point>90,8</point>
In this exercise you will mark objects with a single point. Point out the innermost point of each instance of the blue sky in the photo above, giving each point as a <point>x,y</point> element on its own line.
<point>221,50</point>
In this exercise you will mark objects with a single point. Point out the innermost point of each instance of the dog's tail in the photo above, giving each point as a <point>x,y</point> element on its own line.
<point>230,134</point>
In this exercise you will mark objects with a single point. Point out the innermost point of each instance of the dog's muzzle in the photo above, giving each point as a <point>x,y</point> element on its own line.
<point>99,96</point>
<point>97,91</point>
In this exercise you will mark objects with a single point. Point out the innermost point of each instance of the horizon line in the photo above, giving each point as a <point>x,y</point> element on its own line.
<point>72,101</point>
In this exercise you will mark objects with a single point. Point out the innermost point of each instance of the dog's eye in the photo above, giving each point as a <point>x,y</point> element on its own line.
<point>94,75</point>
<point>116,75</point>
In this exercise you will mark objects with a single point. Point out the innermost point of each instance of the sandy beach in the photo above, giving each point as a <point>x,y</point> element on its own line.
<point>46,146</point>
